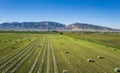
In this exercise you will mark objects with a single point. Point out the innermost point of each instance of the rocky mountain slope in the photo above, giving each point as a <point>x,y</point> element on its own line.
<point>49,26</point>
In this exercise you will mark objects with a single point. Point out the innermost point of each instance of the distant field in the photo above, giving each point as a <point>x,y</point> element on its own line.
<point>55,53</point>
<point>108,39</point>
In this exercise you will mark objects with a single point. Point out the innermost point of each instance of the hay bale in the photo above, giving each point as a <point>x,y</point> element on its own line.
<point>100,57</point>
<point>90,60</point>
<point>117,69</point>
<point>65,71</point>
<point>66,52</point>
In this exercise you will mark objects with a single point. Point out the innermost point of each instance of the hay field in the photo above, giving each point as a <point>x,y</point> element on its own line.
<point>55,53</point>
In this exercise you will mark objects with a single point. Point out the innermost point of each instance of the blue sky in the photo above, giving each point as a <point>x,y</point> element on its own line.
<point>98,12</point>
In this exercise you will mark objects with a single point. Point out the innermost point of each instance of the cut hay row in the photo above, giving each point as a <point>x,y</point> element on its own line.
<point>7,45</point>
<point>36,60</point>
<point>8,50</point>
<point>7,69</point>
<point>71,58</point>
<point>54,60</point>
<point>100,66</point>
<point>26,53</point>
<point>48,60</point>
<point>10,60</point>
<point>5,42</point>
<point>21,62</point>
<point>5,51</point>
<point>7,61</point>
<point>42,62</point>
<point>12,56</point>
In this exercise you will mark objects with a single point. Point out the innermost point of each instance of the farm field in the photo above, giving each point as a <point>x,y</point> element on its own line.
<point>108,39</point>
<point>55,53</point>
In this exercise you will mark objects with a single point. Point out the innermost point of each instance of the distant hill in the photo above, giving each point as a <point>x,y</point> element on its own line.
<point>44,26</point>
<point>88,27</point>
<point>49,26</point>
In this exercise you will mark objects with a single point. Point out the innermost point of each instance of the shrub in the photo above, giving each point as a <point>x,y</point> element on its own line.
<point>21,41</point>
<point>61,33</point>
<point>5,41</point>
<point>13,47</point>
<point>114,49</point>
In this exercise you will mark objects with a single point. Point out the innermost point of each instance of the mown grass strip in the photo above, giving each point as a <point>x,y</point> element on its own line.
<point>42,62</point>
<point>54,60</point>
<point>24,59</point>
<point>11,58</point>
<point>29,49</point>
<point>36,60</point>
<point>48,59</point>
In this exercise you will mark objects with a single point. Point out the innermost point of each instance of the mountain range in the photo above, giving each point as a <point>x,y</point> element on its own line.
<point>50,26</point>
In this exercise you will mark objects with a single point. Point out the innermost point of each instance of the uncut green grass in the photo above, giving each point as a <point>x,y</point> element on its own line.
<point>108,39</point>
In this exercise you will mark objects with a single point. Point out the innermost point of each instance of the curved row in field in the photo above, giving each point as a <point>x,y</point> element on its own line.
<point>23,59</point>
<point>12,57</point>
<point>8,42</point>
<point>58,54</point>
<point>20,56</point>
<point>12,48</point>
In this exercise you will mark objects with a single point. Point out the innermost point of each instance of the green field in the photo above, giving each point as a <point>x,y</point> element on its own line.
<point>55,53</point>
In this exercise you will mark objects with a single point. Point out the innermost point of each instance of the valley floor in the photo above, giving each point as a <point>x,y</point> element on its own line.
<point>54,53</point>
